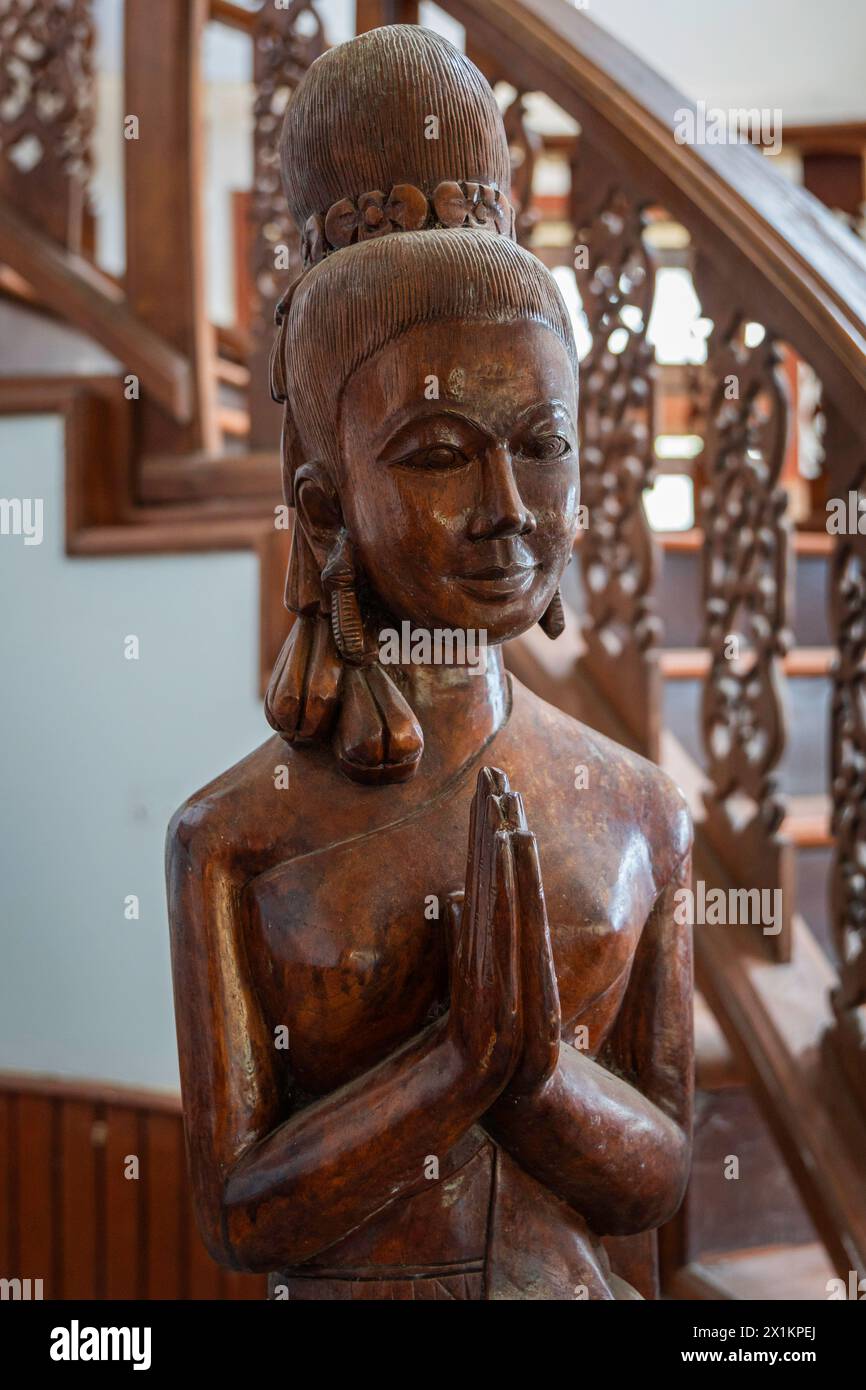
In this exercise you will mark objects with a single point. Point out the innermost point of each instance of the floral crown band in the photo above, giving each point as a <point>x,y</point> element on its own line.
<point>405,209</point>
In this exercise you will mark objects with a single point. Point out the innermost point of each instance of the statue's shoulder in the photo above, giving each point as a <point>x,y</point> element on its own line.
<point>265,809</point>
<point>616,784</point>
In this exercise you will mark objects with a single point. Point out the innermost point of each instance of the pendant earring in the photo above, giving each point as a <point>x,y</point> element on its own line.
<point>339,580</point>
<point>304,693</point>
<point>552,620</point>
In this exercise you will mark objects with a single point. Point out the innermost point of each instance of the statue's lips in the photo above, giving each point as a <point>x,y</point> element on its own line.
<point>498,581</point>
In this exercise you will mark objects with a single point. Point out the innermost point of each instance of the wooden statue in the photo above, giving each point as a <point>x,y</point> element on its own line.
<point>409,1070</point>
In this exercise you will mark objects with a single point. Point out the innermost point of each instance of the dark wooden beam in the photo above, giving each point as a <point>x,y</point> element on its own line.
<point>165,253</point>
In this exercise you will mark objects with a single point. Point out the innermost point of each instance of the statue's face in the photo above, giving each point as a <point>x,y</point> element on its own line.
<point>463,509</point>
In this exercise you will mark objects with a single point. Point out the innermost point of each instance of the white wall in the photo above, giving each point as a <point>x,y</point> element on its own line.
<point>97,752</point>
<point>807,58</point>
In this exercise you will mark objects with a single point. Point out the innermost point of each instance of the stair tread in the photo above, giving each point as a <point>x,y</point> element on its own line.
<point>805,542</point>
<point>689,663</point>
<point>793,1273</point>
<point>803,767</point>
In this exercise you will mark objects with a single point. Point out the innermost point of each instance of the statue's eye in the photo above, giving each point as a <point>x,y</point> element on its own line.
<point>438,458</point>
<point>546,447</point>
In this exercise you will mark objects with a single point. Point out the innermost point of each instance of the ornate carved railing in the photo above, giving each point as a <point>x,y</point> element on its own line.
<point>47,114</point>
<point>746,582</point>
<point>846,458</point>
<point>778,276</point>
<point>616,276</point>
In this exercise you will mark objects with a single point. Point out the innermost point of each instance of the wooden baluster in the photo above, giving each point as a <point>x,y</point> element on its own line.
<point>46,119</point>
<point>846,470</point>
<point>165,259</point>
<point>746,566</point>
<point>282,53</point>
<point>618,553</point>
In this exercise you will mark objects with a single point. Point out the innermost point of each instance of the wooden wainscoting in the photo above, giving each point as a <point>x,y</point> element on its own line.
<point>70,1216</point>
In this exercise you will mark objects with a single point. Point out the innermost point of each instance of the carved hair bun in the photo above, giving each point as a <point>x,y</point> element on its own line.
<point>394,131</point>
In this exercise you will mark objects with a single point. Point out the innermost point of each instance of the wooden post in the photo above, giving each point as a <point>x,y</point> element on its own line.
<point>165,253</point>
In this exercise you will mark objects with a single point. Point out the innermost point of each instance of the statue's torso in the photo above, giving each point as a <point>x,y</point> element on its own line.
<point>353,961</point>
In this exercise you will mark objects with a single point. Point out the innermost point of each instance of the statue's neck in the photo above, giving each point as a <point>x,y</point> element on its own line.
<point>459,708</point>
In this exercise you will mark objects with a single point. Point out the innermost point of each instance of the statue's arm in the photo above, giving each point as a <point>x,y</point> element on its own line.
<point>616,1145</point>
<point>272,1191</point>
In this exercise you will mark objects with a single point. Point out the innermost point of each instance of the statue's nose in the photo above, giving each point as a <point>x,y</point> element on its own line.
<point>500,510</point>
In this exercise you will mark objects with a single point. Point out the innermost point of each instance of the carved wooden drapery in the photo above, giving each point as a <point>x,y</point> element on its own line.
<point>47,113</point>
<point>746,597</point>
<point>285,43</point>
<point>616,279</point>
<point>846,465</point>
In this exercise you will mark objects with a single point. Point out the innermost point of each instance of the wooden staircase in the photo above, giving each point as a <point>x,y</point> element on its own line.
<point>192,463</point>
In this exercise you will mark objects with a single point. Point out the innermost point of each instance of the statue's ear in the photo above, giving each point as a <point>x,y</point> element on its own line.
<point>318,511</point>
<point>318,526</point>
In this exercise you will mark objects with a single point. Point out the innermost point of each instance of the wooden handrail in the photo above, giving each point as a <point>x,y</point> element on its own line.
<point>738,208</point>
<point>233,16</point>
<point>95,303</point>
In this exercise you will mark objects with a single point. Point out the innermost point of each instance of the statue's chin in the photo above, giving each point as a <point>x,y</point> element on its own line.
<point>488,629</point>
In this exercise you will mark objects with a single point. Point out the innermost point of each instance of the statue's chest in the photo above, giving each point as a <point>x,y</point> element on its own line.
<point>350,948</point>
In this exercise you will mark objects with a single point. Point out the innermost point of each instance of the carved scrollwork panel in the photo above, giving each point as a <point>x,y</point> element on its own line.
<point>47,109</point>
<point>846,463</point>
<point>848,884</point>
<point>616,278</point>
<point>746,583</point>
<point>286,42</point>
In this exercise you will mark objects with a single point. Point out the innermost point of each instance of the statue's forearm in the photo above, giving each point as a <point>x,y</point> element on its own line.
<point>335,1163</point>
<point>598,1143</point>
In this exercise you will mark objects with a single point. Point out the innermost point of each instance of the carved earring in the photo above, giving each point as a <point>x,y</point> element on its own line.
<point>303,696</point>
<point>339,582</point>
<point>552,620</point>
<point>378,739</point>
<point>327,677</point>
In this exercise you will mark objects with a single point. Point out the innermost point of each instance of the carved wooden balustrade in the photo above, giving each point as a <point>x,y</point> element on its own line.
<point>47,114</point>
<point>746,579</point>
<point>846,454</point>
<point>775,273</point>
<point>616,276</point>
<point>282,54</point>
